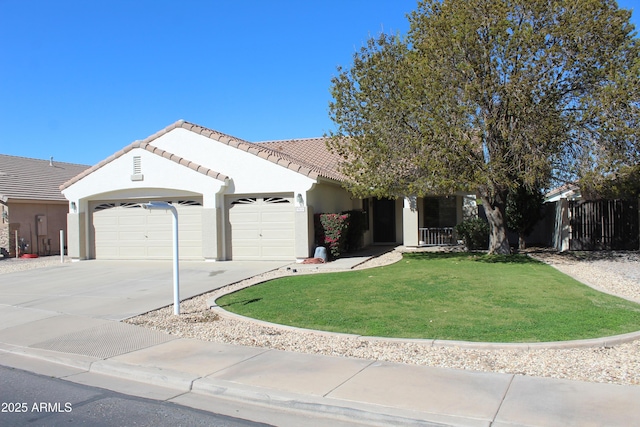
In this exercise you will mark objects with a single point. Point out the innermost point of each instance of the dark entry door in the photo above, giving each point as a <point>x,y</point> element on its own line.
<point>384,221</point>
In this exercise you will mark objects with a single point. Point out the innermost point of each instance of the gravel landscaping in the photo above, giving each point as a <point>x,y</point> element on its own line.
<point>616,273</point>
<point>11,265</point>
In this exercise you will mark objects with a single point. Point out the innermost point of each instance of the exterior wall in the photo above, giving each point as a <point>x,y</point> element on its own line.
<point>43,237</point>
<point>249,173</point>
<point>328,198</point>
<point>160,178</point>
<point>4,230</point>
<point>410,222</point>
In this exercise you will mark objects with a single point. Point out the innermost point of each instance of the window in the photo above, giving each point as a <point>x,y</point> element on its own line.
<point>104,206</point>
<point>275,200</point>
<point>245,201</point>
<point>440,212</point>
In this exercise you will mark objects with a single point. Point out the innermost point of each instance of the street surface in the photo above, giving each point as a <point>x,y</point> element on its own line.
<point>31,399</point>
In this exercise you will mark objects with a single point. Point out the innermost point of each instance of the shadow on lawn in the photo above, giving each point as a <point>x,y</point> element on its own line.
<point>242,302</point>
<point>469,256</point>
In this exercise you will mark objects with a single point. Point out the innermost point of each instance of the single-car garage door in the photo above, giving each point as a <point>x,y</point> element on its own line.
<point>124,230</point>
<point>262,227</point>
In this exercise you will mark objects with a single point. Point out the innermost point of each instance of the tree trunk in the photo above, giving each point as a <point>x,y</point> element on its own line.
<point>522,244</point>
<point>494,208</point>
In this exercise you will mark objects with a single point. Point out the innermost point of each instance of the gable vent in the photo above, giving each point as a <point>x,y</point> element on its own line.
<point>137,169</point>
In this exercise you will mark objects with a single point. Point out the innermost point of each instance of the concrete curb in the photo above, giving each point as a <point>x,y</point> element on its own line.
<point>151,375</point>
<point>181,382</point>
<point>369,414</point>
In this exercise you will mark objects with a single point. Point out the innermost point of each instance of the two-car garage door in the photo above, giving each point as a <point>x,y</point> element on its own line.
<point>124,230</point>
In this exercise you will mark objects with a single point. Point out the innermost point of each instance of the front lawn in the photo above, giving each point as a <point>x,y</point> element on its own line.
<point>442,296</point>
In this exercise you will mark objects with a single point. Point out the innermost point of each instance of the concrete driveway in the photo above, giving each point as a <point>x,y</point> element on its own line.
<point>117,290</point>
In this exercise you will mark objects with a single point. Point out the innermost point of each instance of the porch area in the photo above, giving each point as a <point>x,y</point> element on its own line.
<point>436,236</point>
<point>435,217</point>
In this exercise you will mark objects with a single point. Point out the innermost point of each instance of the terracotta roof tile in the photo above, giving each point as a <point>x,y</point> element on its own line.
<point>311,153</point>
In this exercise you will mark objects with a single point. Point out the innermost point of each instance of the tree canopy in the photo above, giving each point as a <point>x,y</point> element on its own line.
<point>487,96</point>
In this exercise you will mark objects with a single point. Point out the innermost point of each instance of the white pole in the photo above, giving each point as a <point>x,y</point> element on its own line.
<point>176,267</point>
<point>62,246</point>
<point>17,246</point>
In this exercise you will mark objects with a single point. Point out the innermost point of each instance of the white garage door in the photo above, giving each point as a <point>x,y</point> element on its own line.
<point>262,228</point>
<point>124,230</point>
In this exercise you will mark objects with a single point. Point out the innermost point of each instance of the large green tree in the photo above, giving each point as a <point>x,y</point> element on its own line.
<point>486,95</point>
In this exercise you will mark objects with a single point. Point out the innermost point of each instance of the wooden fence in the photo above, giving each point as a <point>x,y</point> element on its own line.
<point>604,225</point>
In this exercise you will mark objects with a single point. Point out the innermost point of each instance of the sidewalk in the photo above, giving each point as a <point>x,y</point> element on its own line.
<point>291,387</point>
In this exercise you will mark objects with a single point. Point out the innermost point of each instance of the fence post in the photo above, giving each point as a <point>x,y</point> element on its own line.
<point>61,245</point>
<point>565,225</point>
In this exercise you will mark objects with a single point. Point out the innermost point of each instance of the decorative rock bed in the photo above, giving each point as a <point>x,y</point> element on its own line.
<point>617,273</point>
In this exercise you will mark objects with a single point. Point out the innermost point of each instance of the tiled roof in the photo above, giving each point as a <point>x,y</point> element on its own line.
<point>34,179</point>
<point>309,157</point>
<point>311,152</point>
<point>152,149</point>
<point>263,150</point>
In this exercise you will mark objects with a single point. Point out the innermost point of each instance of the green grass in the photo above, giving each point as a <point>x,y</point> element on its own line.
<point>442,296</point>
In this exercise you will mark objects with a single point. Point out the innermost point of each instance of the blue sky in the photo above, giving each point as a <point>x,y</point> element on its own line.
<point>81,79</point>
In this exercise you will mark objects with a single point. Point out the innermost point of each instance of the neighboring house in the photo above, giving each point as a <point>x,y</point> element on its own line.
<point>235,200</point>
<point>31,203</point>
<point>567,191</point>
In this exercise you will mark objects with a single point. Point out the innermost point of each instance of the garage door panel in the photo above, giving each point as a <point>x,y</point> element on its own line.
<point>132,221</point>
<point>107,221</point>
<point>244,217</point>
<point>126,232</point>
<point>277,217</point>
<point>283,251</point>
<point>276,235</point>
<point>262,228</point>
<point>190,236</point>
<point>130,237</point>
<point>159,252</point>
<point>159,219</point>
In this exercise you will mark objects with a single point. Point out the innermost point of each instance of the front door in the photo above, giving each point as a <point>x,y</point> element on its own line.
<point>384,221</point>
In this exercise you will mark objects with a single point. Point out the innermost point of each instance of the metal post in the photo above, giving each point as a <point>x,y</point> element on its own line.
<point>17,246</point>
<point>176,258</point>
<point>62,246</point>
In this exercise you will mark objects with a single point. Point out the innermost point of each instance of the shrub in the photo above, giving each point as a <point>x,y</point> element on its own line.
<point>331,232</point>
<point>474,232</point>
<point>355,230</point>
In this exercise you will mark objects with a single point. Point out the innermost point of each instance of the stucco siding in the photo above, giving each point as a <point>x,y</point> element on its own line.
<point>114,180</point>
<point>43,237</point>
<point>249,173</point>
<point>327,198</point>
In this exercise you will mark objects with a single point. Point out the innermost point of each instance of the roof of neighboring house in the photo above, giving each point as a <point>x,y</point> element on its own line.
<point>309,157</point>
<point>567,191</point>
<point>33,179</point>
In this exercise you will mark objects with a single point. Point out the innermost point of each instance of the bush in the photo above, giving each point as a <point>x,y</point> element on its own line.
<point>331,232</point>
<point>474,232</point>
<point>355,230</point>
